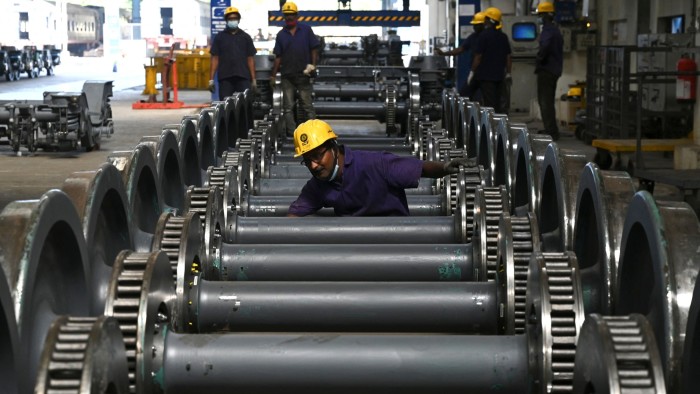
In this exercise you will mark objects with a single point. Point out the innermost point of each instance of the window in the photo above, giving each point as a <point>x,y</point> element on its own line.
<point>166,21</point>
<point>23,31</point>
<point>677,24</point>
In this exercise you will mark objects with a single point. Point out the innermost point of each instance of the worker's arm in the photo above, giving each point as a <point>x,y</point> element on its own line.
<point>214,66</point>
<point>314,56</point>
<point>276,67</point>
<point>476,62</point>
<point>509,64</point>
<point>439,169</point>
<point>308,202</point>
<point>251,67</point>
<point>452,52</point>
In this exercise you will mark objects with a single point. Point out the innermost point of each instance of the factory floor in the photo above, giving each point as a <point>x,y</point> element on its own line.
<point>30,175</point>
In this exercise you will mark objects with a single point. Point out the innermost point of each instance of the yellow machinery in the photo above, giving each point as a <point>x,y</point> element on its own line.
<point>192,70</point>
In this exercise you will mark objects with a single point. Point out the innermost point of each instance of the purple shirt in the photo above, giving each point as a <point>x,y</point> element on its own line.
<point>373,185</point>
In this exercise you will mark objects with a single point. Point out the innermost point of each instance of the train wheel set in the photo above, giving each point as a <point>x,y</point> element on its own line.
<point>172,269</point>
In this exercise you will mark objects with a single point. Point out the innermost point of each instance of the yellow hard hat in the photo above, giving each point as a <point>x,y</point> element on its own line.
<point>310,135</point>
<point>478,19</point>
<point>290,8</point>
<point>493,13</point>
<point>231,10</point>
<point>545,7</point>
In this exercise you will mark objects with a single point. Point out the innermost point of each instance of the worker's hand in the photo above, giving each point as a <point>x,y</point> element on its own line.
<point>439,52</point>
<point>452,166</point>
<point>309,70</point>
<point>470,78</point>
<point>211,86</point>
<point>273,82</point>
<point>509,79</point>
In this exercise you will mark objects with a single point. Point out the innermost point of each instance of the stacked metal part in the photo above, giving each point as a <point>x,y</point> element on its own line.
<point>170,269</point>
<point>60,120</point>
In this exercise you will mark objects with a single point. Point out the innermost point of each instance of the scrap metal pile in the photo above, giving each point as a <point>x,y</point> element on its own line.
<point>172,269</point>
<point>60,121</point>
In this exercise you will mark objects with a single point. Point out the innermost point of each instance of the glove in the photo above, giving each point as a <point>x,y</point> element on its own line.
<point>310,68</point>
<point>211,86</point>
<point>470,78</point>
<point>452,166</point>
<point>509,79</point>
<point>272,83</point>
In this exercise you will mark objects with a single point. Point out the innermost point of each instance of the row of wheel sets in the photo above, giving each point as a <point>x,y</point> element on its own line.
<point>172,269</point>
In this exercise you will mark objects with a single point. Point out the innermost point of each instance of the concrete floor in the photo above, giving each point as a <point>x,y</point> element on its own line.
<point>29,176</point>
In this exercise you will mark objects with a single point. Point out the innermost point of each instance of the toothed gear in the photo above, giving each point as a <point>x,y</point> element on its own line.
<point>489,204</point>
<point>180,237</point>
<point>555,315</point>
<point>390,109</point>
<point>468,180</point>
<point>618,354</point>
<point>451,181</point>
<point>261,139</point>
<point>206,202</point>
<point>140,295</point>
<point>445,145</point>
<point>250,147</point>
<point>83,355</point>
<point>518,239</point>
<point>230,159</point>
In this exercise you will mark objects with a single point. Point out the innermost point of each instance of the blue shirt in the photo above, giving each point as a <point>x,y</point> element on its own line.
<point>550,56</point>
<point>233,51</point>
<point>373,185</point>
<point>295,50</point>
<point>468,45</point>
<point>494,48</point>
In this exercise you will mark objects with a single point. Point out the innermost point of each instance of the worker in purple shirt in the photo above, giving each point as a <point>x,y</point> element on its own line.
<point>356,182</point>
<point>548,67</point>
<point>296,54</point>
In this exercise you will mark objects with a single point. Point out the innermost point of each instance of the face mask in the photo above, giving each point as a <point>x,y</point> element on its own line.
<point>540,20</point>
<point>291,23</point>
<point>335,168</point>
<point>335,172</point>
<point>232,24</point>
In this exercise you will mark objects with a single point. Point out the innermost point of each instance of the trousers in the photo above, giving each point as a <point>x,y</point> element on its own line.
<point>291,83</point>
